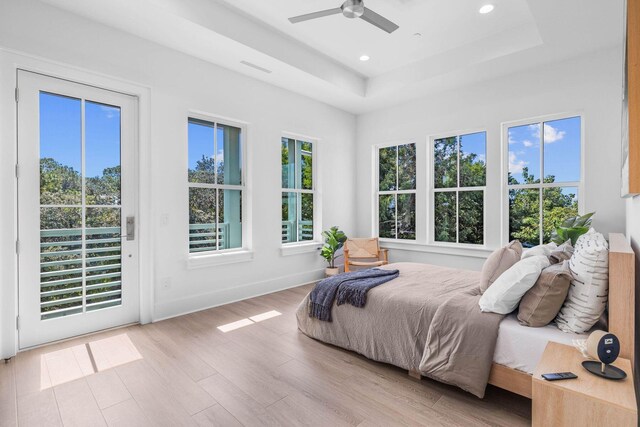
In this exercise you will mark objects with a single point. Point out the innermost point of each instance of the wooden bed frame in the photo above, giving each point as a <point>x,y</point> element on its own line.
<point>621,315</point>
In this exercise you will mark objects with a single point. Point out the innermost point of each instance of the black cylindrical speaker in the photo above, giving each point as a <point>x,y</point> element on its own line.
<point>605,347</point>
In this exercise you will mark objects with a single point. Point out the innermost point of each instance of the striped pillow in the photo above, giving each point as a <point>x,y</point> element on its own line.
<point>589,289</point>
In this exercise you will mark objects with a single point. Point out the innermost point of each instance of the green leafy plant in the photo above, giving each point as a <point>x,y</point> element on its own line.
<point>333,240</point>
<point>572,228</point>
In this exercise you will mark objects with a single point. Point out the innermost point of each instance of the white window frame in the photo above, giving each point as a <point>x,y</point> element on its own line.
<point>302,246</point>
<point>505,167</point>
<point>432,190</point>
<point>377,193</point>
<point>231,255</point>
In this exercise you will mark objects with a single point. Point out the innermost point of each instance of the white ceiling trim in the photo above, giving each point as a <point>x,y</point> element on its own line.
<point>215,32</point>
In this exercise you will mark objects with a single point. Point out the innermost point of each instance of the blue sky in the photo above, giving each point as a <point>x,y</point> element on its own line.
<point>201,143</point>
<point>561,149</point>
<point>61,133</point>
<point>474,143</point>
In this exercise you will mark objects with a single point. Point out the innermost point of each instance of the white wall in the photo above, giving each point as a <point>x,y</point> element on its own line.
<point>178,83</point>
<point>589,84</point>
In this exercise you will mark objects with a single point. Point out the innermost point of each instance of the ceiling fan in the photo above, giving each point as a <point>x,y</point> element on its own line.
<point>351,9</point>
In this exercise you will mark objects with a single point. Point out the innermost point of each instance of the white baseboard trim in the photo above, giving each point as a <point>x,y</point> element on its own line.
<point>194,303</point>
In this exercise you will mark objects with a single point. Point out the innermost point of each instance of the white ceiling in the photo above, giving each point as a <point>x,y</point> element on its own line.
<point>444,25</point>
<point>319,58</point>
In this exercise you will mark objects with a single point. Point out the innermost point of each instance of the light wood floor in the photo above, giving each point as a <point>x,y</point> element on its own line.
<point>185,371</point>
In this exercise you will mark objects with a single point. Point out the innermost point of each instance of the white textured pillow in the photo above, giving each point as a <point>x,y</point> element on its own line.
<point>589,291</point>
<point>506,292</point>
<point>540,250</point>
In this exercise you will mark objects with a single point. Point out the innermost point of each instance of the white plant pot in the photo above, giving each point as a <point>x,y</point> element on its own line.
<point>328,272</point>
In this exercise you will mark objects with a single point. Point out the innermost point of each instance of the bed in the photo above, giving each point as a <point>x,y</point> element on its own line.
<point>461,346</point>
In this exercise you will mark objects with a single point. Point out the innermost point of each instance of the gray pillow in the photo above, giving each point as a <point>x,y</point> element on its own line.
<point>561,253</point>
<point>498,262</point>
<point>540,304</point>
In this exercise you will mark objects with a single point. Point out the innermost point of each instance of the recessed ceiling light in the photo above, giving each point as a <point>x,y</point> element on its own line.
<point>364,58</point>
<point>486,8</point>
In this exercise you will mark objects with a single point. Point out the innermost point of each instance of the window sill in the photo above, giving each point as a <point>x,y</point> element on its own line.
<point>473,251</point>
<point>300,248</point>
<point>202,261</point>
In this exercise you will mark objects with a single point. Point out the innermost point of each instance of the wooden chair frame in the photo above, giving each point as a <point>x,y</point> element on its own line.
<point>381,253</point>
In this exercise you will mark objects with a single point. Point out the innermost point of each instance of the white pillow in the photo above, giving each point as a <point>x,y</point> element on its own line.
<point>589,291</point>
<point>506,292</point>
<point>540,250</point>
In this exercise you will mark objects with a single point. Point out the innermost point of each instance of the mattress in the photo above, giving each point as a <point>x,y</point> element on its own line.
<point>521,347</point>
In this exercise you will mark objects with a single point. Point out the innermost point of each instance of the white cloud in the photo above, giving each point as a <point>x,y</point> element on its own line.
<point>511,140</point>
<point>516,165</point>
<point>527,143</point>
<point>110,112</point>
<point>552,134</point>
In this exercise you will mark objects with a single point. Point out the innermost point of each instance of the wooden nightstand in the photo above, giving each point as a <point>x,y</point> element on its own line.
<point>586,401</point>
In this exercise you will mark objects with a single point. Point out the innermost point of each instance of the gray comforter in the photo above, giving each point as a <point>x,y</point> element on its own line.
<point>426,320</point>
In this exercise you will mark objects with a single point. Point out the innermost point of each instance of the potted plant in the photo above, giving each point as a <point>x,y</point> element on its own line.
<point>572,228</point>
<point>333,240</point>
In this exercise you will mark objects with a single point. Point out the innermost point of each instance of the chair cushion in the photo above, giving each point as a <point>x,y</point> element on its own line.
<point>362,263</point>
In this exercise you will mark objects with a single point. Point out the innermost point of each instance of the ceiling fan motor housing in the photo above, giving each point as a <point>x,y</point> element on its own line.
<point>353,8</point>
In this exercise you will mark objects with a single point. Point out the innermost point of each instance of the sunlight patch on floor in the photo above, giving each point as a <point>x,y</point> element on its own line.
<point>228,327</point>
<point>86,359</point>
<point>264,316</point>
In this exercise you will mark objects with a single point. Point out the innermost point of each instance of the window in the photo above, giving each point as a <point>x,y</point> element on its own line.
<point>216,186</point>
<point>459,180</point>
<point>397,192</point>
<point>298,190</point>
<point>549,149</point>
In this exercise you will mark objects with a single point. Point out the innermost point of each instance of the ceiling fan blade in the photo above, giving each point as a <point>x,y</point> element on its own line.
<point>315,15</point>
<point>379,21</point>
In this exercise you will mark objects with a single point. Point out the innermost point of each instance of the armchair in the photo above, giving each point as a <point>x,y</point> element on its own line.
<point>364,253</point>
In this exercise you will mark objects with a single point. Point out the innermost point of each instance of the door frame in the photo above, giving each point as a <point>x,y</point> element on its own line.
<point>33,329</point>
<point>13,61</point>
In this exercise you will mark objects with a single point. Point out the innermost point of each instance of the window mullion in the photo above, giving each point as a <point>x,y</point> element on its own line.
<point>458,192</point>
<point>397,184</point>
<point>397,168</point>
<point>298,214</point>
<point>396,216</point>
<point>83,210</point>
<point>541,214</point>
<point>541,182</point>
<point>299,186</point>
<point>215,153</point>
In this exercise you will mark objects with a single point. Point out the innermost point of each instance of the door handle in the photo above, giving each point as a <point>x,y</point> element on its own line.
<point>131,228</point>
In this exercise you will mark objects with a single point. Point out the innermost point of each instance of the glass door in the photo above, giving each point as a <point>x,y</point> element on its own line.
<point>76,197</point>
